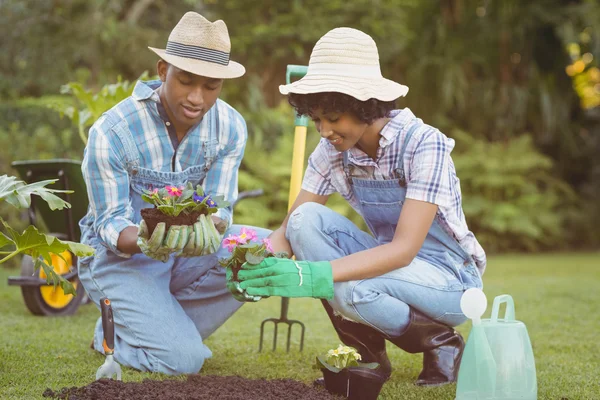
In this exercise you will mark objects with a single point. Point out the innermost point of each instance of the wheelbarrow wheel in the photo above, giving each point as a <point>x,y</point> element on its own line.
<point>46,300</point>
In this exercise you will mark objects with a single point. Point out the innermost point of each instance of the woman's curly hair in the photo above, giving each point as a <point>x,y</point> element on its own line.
<point>366,111</point>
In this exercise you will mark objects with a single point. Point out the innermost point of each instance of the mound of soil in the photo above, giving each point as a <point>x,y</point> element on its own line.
<point>197,387</point>
<point>153,216</point>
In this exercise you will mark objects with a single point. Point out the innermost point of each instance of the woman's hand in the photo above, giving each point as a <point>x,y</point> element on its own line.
<point>287,278</point>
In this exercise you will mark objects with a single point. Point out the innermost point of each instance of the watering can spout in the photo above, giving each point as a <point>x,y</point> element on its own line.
<point>498,361</point>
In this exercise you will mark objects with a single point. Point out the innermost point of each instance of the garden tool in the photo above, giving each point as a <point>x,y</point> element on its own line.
<point>110,366</point>
<point>301,124</point>
<point>498,362</point>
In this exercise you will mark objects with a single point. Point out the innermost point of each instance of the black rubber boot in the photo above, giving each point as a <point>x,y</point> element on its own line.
<point>368,342</point>
<point>441,345</point>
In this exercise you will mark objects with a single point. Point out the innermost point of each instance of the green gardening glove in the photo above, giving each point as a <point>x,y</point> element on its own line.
<point>204,238</point>
<point>238,293</point>
<point>160,245</point>
<point>287,278</point>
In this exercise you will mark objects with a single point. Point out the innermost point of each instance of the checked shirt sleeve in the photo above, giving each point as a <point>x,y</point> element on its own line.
<point>107,183</point>
<point>317,178</point>
<point>222,178</point>
<point>429,176</point>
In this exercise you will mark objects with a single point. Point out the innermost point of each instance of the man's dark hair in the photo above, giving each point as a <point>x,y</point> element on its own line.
<point>366,111</point>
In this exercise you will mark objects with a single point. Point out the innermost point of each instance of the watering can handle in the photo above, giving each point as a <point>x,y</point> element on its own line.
<point>509,314</point>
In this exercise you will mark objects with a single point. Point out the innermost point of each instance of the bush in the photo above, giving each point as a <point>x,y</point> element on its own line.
<point>511,198</point>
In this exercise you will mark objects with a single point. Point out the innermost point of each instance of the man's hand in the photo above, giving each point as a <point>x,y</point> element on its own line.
<point>204,239</point>
<point>287,278</point>
<point>159,246</point>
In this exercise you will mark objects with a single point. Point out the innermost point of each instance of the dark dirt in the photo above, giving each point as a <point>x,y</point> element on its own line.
<point>197,387</point>
<point>152,217</point>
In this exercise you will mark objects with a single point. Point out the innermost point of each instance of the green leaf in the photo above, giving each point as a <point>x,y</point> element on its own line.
<point>18,194</point>
<point>4,241</point>
<point>372,365</point>
<point>253,258</point>
<point>35,244</point>
<point>322,362</point>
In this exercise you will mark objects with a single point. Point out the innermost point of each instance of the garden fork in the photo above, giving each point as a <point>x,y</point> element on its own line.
<point>301,124</point>
<point>283,319</point>
<point>110,366</point>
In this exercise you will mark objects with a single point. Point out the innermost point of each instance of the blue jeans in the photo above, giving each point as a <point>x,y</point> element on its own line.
<point>317,233</point>
<point>162,311</point>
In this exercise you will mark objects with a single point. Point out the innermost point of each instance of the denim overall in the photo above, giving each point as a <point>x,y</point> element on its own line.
<point>162,311</point>
<point>432,283</point>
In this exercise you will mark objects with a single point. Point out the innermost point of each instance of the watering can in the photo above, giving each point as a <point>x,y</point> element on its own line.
<point>497,362</point>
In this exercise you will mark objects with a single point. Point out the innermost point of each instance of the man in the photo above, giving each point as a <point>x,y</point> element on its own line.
<point>166,299</point>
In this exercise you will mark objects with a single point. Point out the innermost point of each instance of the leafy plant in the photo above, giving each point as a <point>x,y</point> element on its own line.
<point>172,200</point>
<point>511,198</point>
<point>39,246</point>
<point>90,106</point>
<point>343,357</point>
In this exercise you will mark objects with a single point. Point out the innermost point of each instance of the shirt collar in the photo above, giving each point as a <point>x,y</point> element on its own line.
<point>400,119</point>
<point>146,90</point>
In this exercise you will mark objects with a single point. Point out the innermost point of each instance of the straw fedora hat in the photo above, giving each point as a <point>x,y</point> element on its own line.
<point>201,47</point>
<point>346,60</point>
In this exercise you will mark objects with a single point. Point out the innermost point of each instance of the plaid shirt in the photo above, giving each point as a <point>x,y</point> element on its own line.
<point>430,174</point>
<point>104,166</point>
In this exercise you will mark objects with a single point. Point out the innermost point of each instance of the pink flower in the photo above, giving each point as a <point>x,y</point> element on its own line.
<point>155,191</point>
<point>246,235</point>
<point>230,242</point>
<point>267,243</point>
<point>173,191</point>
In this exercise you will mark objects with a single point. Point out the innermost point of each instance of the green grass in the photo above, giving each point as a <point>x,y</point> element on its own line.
<point>557,296</point>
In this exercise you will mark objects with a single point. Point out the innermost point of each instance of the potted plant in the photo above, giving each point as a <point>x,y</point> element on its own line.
<point>246,247</point>
<point>175,205</point>
<point>347,376</point>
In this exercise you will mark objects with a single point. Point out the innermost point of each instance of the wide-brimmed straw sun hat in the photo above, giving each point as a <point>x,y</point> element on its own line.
<point>346,60</point>
<point>201,47</point>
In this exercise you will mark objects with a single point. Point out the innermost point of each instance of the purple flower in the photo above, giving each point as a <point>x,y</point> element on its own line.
<point>210,202</point>
<point>196,198</point>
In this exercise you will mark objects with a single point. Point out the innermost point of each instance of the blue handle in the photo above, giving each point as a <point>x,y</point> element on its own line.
<point>296,71</point>
<point>509,313</point>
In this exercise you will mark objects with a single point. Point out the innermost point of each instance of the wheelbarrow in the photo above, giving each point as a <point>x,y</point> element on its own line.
<point>39,297</point>
<point>301,124</point>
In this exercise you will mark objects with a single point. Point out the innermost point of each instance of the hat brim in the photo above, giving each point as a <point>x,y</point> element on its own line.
<point>202,68</point>
<point>358,87</point>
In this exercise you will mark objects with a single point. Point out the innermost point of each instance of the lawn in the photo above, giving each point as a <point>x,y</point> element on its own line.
<point>556,295</point>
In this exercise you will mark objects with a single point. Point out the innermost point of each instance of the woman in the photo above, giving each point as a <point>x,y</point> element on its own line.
<point>405,282</point>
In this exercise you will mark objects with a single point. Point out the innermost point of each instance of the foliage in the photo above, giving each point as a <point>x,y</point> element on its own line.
<point>90,106</point>
<point>493,69</point>
<point>511,198</point>
<point>172,200</point>
<point>31,242</point>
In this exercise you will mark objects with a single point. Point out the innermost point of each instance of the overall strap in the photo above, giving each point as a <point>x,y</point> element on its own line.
<point>400,169</point>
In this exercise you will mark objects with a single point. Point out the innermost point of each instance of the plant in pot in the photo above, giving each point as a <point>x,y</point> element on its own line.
<point>246,248</point>
<point>186,206</point>
<point>347,376</point>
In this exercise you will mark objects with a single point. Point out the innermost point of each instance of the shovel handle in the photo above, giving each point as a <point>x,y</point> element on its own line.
<point>108,326</point>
